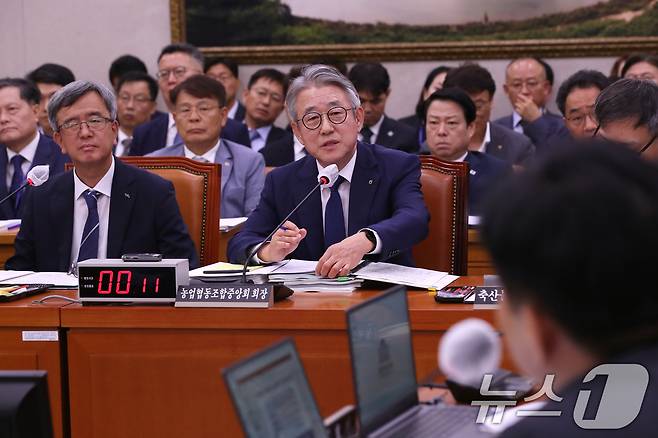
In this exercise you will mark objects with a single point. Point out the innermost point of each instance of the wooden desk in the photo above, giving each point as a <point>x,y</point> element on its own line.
<point>18,316</point>
<point>155,371</point>
<point>479,260</point>
<point>7,245</point>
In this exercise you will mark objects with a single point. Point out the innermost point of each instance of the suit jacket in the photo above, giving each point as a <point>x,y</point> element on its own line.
<point>643,425</point>
<point>240,113</point>
<point>484,173</point>
<point>280,151</point>
<point>542,131</point>
<point>243,176</point>
<point>144,217</point>
<point>152,135</point>
<point>384,196</point>
<point>397,135</point>
<point>509,145</point>
<point>48,152</point>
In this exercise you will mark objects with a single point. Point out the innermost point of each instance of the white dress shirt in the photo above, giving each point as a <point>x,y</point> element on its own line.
<point>487,139</point>
<point>375,130</point>
<point>208,156</point>
<point>80,212</point>
<point>233,110</point>
<point>298,147</point>
<point>258,143</point>
<point>120,149</point>
<point>27,153</point>
<point>171,130</point>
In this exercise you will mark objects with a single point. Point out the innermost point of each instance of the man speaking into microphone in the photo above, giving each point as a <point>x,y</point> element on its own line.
<point>373,209</point>
<point>103,208</point>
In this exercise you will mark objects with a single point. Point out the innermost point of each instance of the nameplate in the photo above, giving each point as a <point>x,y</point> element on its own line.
<point>40,336</point>
<point>489,296</point>
<point>236,295</point>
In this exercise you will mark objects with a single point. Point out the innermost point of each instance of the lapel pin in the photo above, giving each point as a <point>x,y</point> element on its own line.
<point>127,195</point>
<point>473,172</point>
<point>500,146</point>
<point>390,133</point>
<point>370,182</point>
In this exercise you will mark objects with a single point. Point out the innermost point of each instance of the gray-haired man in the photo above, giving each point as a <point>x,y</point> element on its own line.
<point>102,209</point>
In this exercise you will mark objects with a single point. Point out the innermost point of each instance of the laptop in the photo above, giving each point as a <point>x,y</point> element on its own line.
<point>384,375</point>
<point>272,396</point>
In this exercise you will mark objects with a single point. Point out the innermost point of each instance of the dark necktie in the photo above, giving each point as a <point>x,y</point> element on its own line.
<point>89,243</point>
<point>366,134</point>
<point>17,179</point>
<point>334,221</point>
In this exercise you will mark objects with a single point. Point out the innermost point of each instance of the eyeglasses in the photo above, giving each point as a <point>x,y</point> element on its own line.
<point>530,84</point>
<point>579,118</point>
<point>642,77</point>
<point>93,124</point>
<point>262,93</point>
<point>178,72</point>
<point>139,98</point>
<point>336,115</point>
<point>204,110</point>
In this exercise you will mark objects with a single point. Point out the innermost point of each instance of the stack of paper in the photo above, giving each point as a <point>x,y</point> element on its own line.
<point>228,223</point>
<point>314,283</point>
<point>231,272</point>
<point>59,280</point>
<point>397,274</point>
<point>10,224</point>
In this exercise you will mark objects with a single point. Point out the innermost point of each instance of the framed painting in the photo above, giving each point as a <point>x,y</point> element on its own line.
<point>295,31</point>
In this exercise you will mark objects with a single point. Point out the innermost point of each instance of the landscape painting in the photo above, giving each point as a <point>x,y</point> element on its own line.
<point>238,25</point>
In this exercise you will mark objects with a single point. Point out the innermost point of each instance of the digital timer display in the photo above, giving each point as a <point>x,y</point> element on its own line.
<point>128,283</point>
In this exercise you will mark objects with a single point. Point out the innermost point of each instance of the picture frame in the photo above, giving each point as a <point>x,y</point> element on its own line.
<point>416,51</point>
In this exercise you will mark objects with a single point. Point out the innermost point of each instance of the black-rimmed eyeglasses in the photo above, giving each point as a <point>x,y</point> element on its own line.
<point>336,115</point>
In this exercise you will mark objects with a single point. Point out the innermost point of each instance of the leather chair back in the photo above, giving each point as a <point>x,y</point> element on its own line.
<point>445,188</point>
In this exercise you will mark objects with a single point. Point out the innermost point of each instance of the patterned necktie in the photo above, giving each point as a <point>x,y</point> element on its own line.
<point>366,134</point>
<point>89,243</point>
<point>17,179</point>
<point>334,220</point>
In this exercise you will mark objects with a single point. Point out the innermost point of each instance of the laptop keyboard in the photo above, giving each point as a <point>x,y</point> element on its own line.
<point>437,423</point>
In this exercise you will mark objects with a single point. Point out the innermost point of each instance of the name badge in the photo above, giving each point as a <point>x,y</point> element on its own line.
<point>236,295</point>
<point>489,296</point>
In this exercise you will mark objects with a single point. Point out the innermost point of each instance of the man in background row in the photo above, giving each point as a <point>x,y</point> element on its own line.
<point>176,63</point>
<point>627,112</point>
<point>49,78</point>
<point>200,113</point>
<point>528,85</point>
<point>122,65</point>
<point>491,138</point>
<point>136,95</point>
<point>22,146</point>
<point>374,86</point>
<point>263,101</point>
<point>226,72</point>
<point>576,98</point>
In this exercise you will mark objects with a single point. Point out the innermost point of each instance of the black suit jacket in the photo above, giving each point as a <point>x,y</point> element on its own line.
<point>48,152</point>
<point>484,172</point>
<point>509,145</point>
<point>397,135</point>
<point>644,425</point>
<point>152,135</point>
<point>144,217</point>
<point>240,113</point>
<point>543,132</point>
<point>281,151</point>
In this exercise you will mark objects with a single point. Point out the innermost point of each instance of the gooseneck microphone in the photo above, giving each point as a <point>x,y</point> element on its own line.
<point>327,177</point>
<point>35,177</point>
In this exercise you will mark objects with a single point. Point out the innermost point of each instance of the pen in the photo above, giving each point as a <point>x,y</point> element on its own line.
<point>13,226</point>
<point>225,271</point>
<point>360,265</point>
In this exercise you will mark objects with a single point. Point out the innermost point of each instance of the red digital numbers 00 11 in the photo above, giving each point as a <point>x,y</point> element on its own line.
<point>106,283</point>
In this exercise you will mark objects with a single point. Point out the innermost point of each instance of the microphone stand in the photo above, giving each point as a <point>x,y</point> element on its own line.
<point>25,184</point>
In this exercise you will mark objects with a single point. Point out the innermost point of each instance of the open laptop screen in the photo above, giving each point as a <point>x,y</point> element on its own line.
<point>382,358</point>
<point>272,396</point>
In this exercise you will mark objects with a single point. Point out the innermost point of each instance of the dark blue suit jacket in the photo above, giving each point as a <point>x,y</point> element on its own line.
<point>48,152</point>
<point>509,145</point>
<point>144,217</point>
<point>384,196</point>
<point>542,131</point>
<point>484,172</point>
<point>152,135</point>
<point>397,135</point>
<point>279,152</point>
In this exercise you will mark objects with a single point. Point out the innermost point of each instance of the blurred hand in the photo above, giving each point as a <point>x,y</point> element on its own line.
<point>283,242</point>
<point>527,108</point>
<point>340,258</point>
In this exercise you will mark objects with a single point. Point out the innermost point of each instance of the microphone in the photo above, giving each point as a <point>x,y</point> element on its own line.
<point>35,177</point>
<point>327,177</point>
<point>470,349</point>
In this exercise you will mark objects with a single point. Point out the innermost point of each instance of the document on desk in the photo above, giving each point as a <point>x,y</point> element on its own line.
<point>227,224</point>
<point>10,224</point>
<point>60,280</point>
<point>223,269</point>
<point>296,266</point>
<point>8,275</point>
<point>397,274</point>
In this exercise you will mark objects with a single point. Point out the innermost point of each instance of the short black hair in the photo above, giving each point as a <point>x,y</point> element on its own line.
<point>229,63</point>
<point>124,64</point>
<point>200,86</point>
<point>568,233</point>
<point>271,74</point>
<point>471,78</point>
<point>428,81</point>
<point>370,77</point>
<point>629,99</point>
<point>456,95</point>
<point>27,89</point>
<point>580,79</point>
<point>188,49</point>
<point>51,74</point>
<point>138,76</point>
<point>636,58</point>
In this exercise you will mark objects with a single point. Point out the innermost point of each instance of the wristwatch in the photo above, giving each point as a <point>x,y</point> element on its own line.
<point>370,235</point>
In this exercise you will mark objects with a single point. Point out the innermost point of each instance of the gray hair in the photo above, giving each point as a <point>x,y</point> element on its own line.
<point>71,93</point>
<point>629,99</point>
<point>318,75</point>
